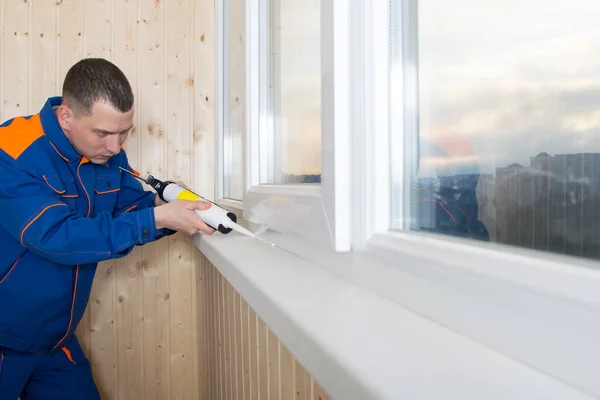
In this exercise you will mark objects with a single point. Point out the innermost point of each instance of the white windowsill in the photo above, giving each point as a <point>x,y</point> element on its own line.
<point>363,343</point>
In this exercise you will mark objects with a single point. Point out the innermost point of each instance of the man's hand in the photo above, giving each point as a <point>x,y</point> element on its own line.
<point>179,215</point>
<point>159,202</point>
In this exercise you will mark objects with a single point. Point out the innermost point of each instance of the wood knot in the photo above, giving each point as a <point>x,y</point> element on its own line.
<point>143,264</point>
<point>202,37</point>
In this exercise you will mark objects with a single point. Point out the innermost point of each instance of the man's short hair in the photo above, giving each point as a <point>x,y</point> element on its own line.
<point>93,80</point>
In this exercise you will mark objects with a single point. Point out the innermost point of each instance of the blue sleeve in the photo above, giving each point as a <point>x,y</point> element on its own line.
<point>36,216</point>
<point>133,197</point>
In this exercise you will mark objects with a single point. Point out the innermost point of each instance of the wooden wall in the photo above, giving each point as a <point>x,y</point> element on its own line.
<point>162,323</point>
<point>140,327</point>
<point>242,358</point>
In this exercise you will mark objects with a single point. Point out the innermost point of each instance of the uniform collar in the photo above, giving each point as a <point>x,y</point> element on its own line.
<point>54,132</point>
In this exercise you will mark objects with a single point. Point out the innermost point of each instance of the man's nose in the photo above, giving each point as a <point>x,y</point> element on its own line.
<point>114,144</point>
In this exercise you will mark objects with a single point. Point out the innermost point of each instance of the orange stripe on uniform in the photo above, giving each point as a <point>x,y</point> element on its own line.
<point>20,134</point>
<point>131,208</point>
<point>51,187</point>
<point>106,191</point>
<point>68,353</point>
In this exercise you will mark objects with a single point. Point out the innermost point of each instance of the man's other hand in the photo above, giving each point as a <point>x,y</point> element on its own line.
<point>180,215</point>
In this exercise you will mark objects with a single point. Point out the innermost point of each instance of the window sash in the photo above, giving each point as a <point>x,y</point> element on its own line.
<point>333,195</point>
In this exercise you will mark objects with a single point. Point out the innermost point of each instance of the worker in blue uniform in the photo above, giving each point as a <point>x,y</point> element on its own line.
<point>64,207</point>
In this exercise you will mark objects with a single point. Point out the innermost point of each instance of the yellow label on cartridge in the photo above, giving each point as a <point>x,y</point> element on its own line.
<point>187,195</point>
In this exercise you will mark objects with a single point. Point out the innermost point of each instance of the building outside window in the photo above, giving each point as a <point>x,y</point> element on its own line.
<point>507,101</point>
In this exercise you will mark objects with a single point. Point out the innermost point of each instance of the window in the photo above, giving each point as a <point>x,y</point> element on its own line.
<point>290,136</point>
<point>233,99</point>
<point>499,140</point>
<point>274,154</point>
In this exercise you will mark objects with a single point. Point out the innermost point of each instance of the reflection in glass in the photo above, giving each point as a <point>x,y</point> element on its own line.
<point>509,123</point>
<point>291,141</point>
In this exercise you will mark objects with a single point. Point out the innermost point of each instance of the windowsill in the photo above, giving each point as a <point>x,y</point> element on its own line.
<point>412,336</point>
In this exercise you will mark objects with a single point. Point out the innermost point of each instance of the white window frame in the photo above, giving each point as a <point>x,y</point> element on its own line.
<point>221,107</point>
<point>327,207</point>
<point>442,278</point>
<point>553,285</point>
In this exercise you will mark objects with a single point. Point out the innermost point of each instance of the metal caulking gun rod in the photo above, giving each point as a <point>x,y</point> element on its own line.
<point>216,216</point>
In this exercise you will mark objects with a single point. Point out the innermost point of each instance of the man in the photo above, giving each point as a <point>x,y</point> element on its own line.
<point>64,207</point>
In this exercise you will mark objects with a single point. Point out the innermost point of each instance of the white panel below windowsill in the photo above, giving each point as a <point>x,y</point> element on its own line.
<point>360,345</point>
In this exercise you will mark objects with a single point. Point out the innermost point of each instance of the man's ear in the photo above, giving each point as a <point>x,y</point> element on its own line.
<point>65,117</point>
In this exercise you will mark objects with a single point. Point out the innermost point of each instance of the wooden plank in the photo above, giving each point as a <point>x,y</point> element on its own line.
<point>131,302</point>
<point>199,324</point>
<point>130,349</point>
<point>129,286</point>
<point>97,41</point>
<point>97,33</point>
<point>287,373</point>
<point>44,49</point>
<point>16,45</point>
<point>255,386</point>
<point>211,342</point>
<point>301,382</point>
<point>270,371</point>
<point>239,349</point>
<point>222,342</point>
<point>178,56</point>
<point>202,181</point>
<point>102,332</point>
<point>317,392</point>
<point>70,17</point>
<point>232,359</point>
<point>227,341</point>
<point>246,349</point>
<point>204,105</point>
<point>157,290</point>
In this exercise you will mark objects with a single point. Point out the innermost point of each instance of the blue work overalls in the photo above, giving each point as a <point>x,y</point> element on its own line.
<point>59,216</point>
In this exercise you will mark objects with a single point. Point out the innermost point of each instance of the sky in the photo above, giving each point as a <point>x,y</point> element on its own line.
<point>299,58</point>
<point>511,78</point>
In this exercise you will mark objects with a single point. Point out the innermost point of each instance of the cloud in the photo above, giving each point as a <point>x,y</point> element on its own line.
<point>506,125</point>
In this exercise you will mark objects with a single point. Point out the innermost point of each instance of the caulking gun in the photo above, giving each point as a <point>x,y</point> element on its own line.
<point>216,216</point>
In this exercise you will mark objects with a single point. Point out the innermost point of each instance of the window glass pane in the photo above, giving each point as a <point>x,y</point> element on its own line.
<point>291,139</point>
<point>508,147</point>
<point>234,105</point>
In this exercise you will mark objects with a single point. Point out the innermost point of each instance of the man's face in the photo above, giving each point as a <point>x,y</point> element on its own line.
<point>97,136</point>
